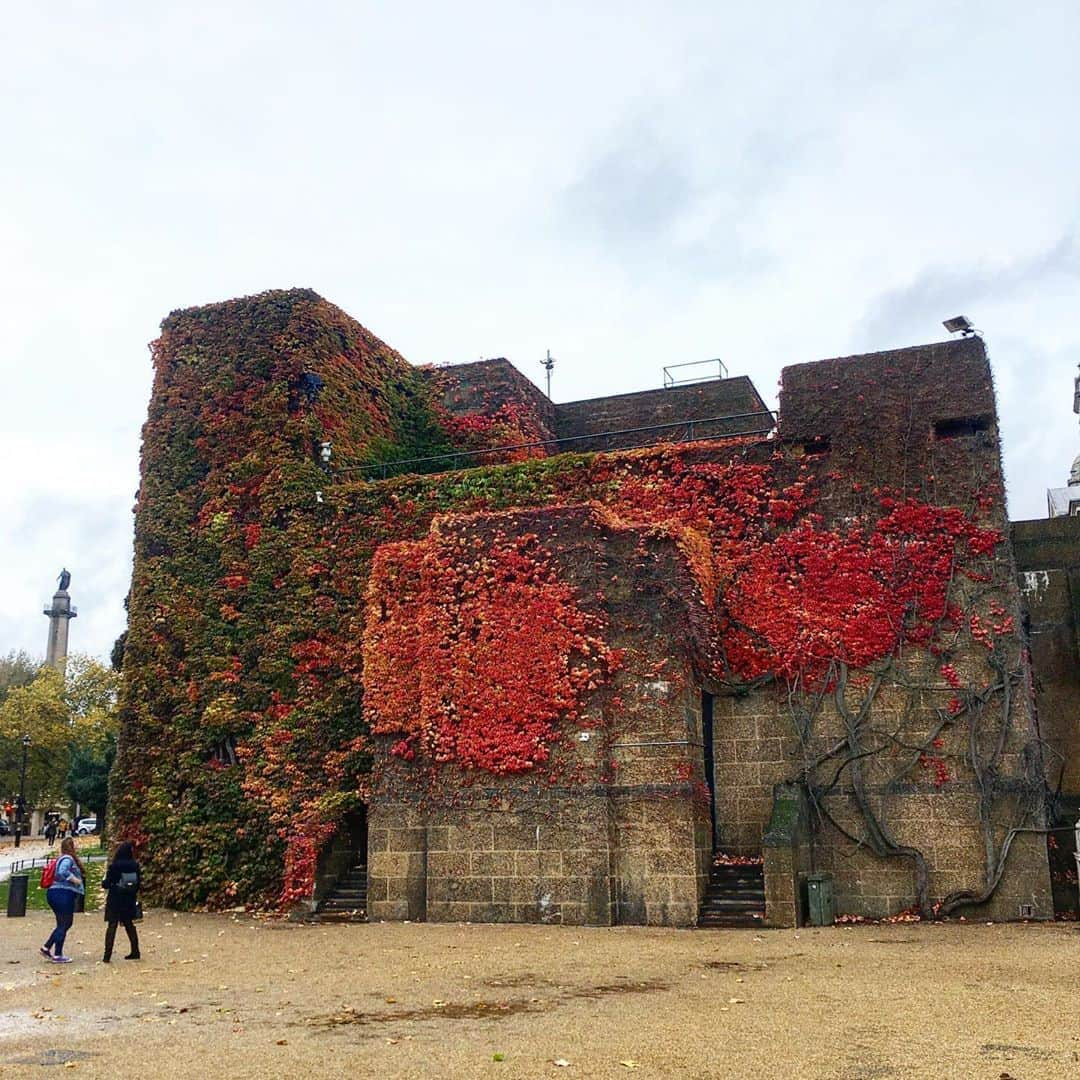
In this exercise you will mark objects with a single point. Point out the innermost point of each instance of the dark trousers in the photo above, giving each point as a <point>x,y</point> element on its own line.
<point>62,902</point>
<point>110,936</point>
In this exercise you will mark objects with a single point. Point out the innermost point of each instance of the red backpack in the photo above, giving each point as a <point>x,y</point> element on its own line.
<point>48,875</point>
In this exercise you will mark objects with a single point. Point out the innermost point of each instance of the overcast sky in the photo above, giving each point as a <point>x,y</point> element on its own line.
<point>628,184</point>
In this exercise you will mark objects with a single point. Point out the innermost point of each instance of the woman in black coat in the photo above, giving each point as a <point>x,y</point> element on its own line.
<point>122,882</point>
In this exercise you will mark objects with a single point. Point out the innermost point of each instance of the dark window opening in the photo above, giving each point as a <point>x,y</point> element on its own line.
<point>225,751</point>
<point>819,445</point>
<point>710,760</point>
<point>960,427</point>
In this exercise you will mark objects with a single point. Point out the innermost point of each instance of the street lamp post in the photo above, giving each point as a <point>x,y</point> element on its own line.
<point>20,806</point>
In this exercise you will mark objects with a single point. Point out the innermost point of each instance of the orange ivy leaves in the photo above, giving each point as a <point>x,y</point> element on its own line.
<point>475,651</point>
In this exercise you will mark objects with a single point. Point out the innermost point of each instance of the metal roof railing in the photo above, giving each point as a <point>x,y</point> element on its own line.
<point>671,381</point>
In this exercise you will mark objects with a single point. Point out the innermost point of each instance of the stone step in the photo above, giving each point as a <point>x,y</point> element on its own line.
<point>341,917</point>
<point>746,890</point>
<point>735,897</point>
<point>737,901</point>
<point>727,904</point>
<point>757,897</point>
<point>733,922</point>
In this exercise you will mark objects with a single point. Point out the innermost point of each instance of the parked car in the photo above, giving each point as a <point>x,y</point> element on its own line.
<point>5,828</point>
<point>86,826</point>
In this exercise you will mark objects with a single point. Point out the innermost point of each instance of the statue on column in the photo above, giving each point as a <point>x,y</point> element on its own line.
<point>65,580</point>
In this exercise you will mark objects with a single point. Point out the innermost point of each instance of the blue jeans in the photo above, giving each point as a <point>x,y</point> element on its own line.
<point>62,902</point>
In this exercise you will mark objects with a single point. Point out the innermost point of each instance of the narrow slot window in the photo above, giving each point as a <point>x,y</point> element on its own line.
<point>961,427</point>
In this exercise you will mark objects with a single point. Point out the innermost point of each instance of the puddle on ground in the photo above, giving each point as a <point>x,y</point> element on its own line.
<point>51,1057</point>
<point>47,1023</point>
<point>484,1010</point>
<point>591,993</point>
<point>525,979</point>
<point>472,1010</point>
<point>1006,1051</point>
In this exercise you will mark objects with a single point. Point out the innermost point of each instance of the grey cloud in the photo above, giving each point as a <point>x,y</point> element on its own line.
<point>633,194</point>
<point>632,191</point>
<point>939,293</point>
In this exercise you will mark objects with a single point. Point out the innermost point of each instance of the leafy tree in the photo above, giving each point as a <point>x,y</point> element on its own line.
<point>16,669</point>
<point>60,713</point>
<point>88,775</point>
<point>116,657</point>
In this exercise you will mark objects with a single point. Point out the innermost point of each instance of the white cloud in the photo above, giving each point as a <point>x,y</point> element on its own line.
<point>626,183</point>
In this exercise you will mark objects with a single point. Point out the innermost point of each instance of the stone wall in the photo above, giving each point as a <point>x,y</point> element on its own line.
<point>1048,561</point>
<point>485,386</point>
<point>578,420</point>
<point>920,420</point>
<point>622,837</point>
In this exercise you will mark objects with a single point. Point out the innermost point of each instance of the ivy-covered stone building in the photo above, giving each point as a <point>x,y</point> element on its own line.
<point>594,662</point>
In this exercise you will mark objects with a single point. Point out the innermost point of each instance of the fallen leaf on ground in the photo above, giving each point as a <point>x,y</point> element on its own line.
<point>561,1063</point>
<point>628,1064</point>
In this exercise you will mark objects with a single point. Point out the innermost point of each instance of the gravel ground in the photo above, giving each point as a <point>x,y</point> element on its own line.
<point>229,996</point>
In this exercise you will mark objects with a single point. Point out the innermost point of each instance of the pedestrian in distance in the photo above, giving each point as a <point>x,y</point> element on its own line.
<point>50,833</point>
<point>64,884</point>
<point>122,881</point>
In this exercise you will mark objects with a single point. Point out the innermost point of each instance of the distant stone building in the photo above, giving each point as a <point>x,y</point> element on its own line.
<point>1048,561</point>
<point>650,658</point>
<point>1065,502</point>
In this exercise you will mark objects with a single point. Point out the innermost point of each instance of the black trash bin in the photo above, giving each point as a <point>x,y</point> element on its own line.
<point>80,903</point>
<point>18,885</point>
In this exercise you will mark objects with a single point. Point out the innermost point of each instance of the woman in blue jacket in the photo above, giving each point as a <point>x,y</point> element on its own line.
<point>68,884</point>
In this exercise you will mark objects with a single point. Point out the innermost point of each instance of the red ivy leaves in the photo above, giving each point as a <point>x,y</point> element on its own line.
<point>475,651</point>
<point>812,595</point>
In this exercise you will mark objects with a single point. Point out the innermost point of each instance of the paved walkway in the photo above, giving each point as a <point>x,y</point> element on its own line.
<point>9,853</point>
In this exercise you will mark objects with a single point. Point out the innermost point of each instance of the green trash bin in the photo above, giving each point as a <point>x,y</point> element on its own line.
<point>819,907</point>
<point>18,884</point>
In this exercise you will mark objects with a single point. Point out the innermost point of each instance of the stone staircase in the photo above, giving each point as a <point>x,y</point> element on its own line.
<point>735,897</point>
<point>347,900</point>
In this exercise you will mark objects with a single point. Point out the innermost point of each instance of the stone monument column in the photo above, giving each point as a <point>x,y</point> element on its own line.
<point>60,613</point>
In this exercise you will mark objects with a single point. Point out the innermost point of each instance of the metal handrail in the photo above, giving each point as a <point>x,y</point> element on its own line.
<point>31,864</point>
<point>689,427</point>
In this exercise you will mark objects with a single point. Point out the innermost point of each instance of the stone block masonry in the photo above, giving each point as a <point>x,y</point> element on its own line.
<point>619,839</point>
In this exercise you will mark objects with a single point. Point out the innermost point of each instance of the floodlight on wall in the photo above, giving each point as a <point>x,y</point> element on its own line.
<point>958,324</point>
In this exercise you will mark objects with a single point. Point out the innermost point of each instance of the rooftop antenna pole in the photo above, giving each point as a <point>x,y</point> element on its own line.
<point>548,363</point>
